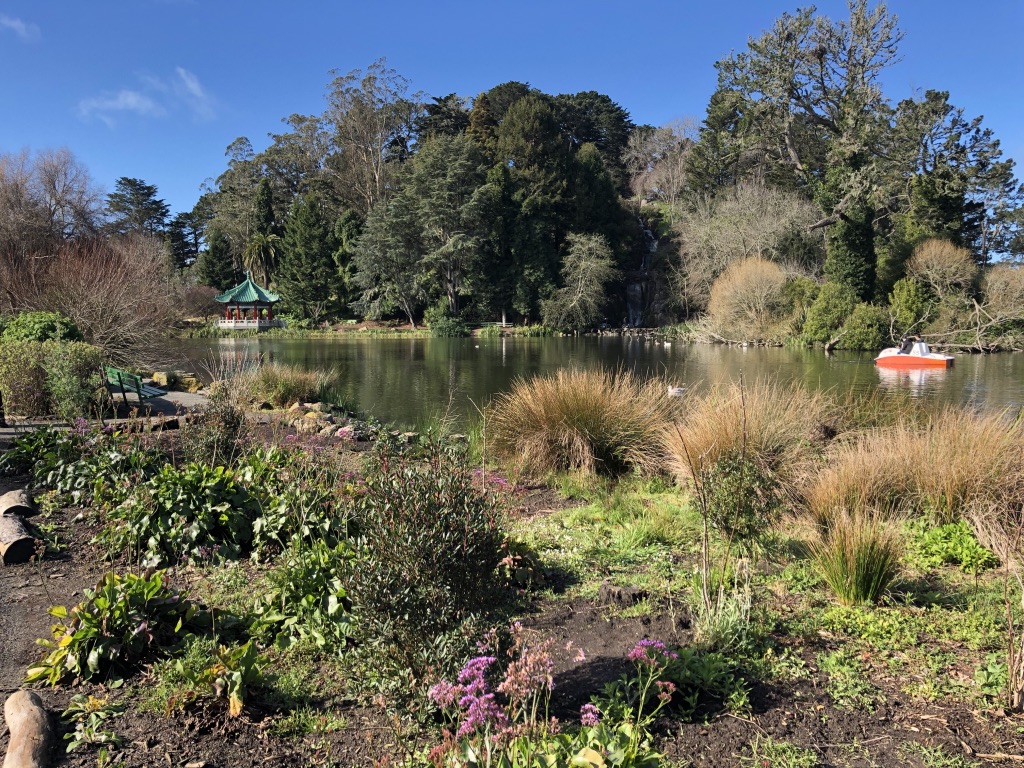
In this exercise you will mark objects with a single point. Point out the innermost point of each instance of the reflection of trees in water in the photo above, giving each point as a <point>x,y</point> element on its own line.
<point>409,381</point>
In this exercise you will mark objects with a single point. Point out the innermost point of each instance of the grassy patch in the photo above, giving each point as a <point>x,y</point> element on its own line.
<point>765,752</point>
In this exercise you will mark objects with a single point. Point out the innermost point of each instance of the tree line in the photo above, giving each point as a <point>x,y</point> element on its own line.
<point>526,207</point>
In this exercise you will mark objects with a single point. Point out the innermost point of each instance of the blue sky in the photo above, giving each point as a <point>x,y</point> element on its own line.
<point>156,89</point>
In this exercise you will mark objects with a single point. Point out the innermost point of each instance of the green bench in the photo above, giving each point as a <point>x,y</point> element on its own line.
<point>129,382</point>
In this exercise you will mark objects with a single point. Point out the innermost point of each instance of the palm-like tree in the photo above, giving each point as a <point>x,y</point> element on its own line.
<point>260,256</point>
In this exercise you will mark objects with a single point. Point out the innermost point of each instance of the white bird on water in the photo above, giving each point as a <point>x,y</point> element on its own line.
<point>676,391</point>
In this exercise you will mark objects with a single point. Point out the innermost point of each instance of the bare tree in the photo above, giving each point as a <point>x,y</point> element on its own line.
<point>117,292</point>
<point>657,161</point>
<point>45,200</point>
<point>943,266</point>
<point>749,220</point>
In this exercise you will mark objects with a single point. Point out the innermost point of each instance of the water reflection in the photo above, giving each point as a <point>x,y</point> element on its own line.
<point>409,380</point>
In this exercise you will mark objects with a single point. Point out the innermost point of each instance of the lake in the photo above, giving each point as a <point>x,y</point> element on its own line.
<point>407,381</point>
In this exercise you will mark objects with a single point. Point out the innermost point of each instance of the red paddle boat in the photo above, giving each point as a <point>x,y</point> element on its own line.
<point>912,353</point>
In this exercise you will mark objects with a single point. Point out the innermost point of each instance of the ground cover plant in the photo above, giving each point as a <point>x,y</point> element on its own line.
<point>318,593</point>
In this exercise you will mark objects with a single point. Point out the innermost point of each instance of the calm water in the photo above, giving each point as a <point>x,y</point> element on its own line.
<point>409,380</point>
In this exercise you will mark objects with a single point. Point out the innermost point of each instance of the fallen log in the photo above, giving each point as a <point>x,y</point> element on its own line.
<point>17,545</point>
<point>31,734</point>
<point>18,503</point>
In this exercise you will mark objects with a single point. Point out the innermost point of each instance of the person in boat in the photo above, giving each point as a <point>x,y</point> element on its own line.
<point>906,345</point>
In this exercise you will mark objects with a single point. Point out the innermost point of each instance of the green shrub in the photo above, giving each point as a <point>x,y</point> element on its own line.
<point>866,329</point>
<point>858,555</point>
<point>73,379</point>
<point>40,378</point>
<point>911,305</point>
<point>306,599</point>
<point>300,496</point>
<point>427,550</point>
<point>949,544</point>
<point>832,307</point>
<point>120,622</point>
<point>41,326</point>
<point>196,513</point>
<point>744,499</point>
<point>443,325</point>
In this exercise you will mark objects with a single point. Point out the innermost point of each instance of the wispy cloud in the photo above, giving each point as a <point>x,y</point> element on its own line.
<point>154,97</point>
<point>191,91</point>
<point>26,31</point>
<point>106,107</point>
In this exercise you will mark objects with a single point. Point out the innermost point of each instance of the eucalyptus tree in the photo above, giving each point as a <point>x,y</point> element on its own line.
<point>388,259</point>
<point>370,119</point>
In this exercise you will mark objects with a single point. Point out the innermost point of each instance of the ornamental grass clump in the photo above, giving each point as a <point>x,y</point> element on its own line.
<point>282,384</point>
<point>858,555</point>
<point>772,426</point>
<point>595,421</point>
<point>956,461</point>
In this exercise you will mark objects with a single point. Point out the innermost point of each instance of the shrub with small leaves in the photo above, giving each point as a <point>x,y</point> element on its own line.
<point>744,499</point>
<point>120,623</point>
<point>428,546</point>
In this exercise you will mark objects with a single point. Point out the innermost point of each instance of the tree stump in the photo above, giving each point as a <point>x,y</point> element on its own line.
<point>18,503</point>
<point>31,734</point>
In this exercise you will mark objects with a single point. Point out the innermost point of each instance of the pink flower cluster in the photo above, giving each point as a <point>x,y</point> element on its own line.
<point>651,653</point>
<point>589,715</point>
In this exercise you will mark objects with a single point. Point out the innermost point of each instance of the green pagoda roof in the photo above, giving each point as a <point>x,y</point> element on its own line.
<point>247,293</point>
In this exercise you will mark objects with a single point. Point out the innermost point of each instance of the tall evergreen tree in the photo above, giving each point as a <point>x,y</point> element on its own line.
<point>307,276</point>
<point>388,262</point>
<point>135,208</point>
<point>215,267</point>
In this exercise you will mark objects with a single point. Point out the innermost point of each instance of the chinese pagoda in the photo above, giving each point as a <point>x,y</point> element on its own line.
<point>248,307</point>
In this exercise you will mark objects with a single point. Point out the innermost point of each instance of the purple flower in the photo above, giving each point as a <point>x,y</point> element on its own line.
<point>472,675</point>
<point>481,711</point>
<point>589,715</point>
